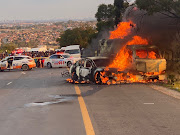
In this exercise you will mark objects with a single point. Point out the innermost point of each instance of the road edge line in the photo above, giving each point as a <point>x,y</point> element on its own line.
<point>166,91</point>
<point>86,119</point>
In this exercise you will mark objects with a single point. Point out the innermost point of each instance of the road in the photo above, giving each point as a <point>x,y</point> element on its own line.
<point>41,102</point>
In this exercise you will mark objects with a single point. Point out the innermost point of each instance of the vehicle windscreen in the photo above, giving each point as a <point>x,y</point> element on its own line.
<point>75,51</point>
<point>147,54</point>
<point>66,56</point>
<point>102,62</point>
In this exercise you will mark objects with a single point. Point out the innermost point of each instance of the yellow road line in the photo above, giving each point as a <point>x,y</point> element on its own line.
<point>87,121</point>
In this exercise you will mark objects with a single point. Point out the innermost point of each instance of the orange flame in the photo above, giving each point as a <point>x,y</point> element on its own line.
<point>123,60</point>
<point>137,40</point>
<point>123,30</point>
<point>152,55</point>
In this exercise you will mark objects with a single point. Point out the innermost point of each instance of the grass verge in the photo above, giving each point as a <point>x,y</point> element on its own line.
<point>175,86</point>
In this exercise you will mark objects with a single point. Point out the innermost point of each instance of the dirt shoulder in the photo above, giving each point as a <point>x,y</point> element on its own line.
<point>168,91</point>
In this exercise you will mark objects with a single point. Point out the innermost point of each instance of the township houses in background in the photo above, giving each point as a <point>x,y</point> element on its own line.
<point>30,34</point>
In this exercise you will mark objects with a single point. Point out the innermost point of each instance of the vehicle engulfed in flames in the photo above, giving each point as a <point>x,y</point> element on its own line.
<point>143,64</point>
<point>128,59</point>
<point>136,63</point>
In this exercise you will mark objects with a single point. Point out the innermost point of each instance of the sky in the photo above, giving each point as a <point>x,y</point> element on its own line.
<point>49,9</point>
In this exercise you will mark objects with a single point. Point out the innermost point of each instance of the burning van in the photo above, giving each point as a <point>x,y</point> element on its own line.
<point>147,62</point>
<point>134,63</point>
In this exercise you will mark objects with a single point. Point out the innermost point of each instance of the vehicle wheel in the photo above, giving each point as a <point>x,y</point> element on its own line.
<point>97,78</point>
<point>1,70</point>
<point>25,67</point>
<point>69,64</point>
<point>49,65</point>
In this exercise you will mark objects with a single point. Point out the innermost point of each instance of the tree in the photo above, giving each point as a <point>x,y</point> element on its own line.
<point>120,6</point>
<point>105,17</point>
<point>170,8</point>
<point>81,36</point>
<point>9,47</point>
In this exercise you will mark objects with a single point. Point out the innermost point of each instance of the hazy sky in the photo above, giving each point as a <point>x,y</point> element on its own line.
<point>49,9</point>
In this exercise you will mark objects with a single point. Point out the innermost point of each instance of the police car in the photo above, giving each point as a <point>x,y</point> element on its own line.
<point>17,62</point>
<point>59,60</point>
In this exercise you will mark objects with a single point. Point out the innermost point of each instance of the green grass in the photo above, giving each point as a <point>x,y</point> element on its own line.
<point>175,86</point>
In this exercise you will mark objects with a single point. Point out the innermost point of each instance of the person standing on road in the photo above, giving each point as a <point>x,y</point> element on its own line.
<point>10,60</point>
<point>42,62</point>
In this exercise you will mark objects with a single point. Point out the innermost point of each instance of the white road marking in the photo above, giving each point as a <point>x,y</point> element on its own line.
<point>148,103</point>
<point>23,73</point>
<point>9,83</point>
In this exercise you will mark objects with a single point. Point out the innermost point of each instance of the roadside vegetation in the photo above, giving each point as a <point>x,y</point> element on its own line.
<point>8,47</point>
<point>81,36</point>
<point>108,16</point>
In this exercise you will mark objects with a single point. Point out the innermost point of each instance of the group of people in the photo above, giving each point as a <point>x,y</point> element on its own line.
<point>39,57</point>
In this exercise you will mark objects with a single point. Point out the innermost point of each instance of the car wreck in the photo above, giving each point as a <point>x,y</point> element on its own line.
<point>144,64</point>
<point>87,68</point>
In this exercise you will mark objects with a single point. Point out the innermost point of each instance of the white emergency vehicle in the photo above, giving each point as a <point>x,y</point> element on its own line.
<point>73,50</point>
<point>17,62</point>
<point>59,60</point>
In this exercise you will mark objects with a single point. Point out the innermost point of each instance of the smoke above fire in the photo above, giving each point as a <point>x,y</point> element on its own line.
<point>139,28</point>
<point>158,29</point>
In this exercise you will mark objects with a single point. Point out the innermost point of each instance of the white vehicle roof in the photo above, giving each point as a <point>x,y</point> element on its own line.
<point>19,56</point>
<point>72,47</point>
<point>65,54</point>
<point>63,48</point>
<point>61,54</point>
<point>38,50</point>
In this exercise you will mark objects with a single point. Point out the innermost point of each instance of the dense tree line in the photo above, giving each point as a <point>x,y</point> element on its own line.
<point>80,36</point>
<point>169,8</point>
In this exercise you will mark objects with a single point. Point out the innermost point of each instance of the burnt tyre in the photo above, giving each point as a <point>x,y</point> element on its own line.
<point>25,67</point>
<point>97,78</point>
<point>49,65</point>
<point>69,64</point>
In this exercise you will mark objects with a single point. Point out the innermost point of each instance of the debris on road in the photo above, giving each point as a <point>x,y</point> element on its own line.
<point>58,99</point>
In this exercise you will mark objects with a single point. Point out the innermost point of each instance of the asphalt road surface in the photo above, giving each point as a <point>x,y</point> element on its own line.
<point>41,102</point>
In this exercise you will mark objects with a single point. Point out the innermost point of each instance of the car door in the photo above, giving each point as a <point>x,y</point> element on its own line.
<point>63,61</point>
<point>79,65</point>
<point>59,61</point>
<point>10,61</point>
<point>53,60</point>
<point>85,70</point>
<point>18,62</point>
<point>56,60</point>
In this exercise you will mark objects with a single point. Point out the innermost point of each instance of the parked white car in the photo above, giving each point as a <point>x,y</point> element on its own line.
<point>59,60</point>
<point>17,62</point>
